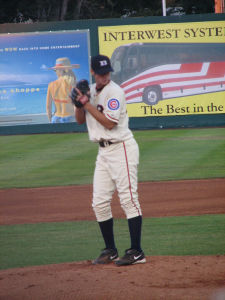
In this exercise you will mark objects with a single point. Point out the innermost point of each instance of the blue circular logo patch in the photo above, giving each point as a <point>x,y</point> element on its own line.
<point>113,104</point>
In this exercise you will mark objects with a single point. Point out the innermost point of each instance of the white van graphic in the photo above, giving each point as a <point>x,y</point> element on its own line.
<point>152,72</point>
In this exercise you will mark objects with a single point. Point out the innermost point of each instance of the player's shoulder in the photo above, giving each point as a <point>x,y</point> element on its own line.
<point>113,86</point>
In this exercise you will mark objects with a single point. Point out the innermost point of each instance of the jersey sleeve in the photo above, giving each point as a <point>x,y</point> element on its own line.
<point>113,105</point>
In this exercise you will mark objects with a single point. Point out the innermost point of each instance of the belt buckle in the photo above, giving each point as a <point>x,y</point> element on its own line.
<point>104,143</point>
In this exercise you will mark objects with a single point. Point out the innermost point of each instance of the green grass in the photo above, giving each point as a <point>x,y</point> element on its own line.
<point>181,154</point>
<point>66,159</point>
<point>47,243</point>
<point>45,160</point>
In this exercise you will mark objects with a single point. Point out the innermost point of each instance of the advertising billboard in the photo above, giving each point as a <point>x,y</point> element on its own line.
<point>168,69</point>
<point>37,72</point>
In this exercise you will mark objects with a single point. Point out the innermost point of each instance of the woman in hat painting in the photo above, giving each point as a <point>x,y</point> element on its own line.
<point>59,91</point>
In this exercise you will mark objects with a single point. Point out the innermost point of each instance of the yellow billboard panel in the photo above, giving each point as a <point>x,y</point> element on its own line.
<point>111,37</point>
<point>168,69</point>
<point>180,106</point>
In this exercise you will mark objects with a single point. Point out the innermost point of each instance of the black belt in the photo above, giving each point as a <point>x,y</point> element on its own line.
<point>105,143</point>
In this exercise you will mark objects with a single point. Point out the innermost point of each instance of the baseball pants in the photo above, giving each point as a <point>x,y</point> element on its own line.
<point>116,168</point>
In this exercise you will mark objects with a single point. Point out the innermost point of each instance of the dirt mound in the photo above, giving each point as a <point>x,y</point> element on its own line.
<point>162,277</point>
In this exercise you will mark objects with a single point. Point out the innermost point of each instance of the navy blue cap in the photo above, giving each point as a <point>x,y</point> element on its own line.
<point>101,65</point>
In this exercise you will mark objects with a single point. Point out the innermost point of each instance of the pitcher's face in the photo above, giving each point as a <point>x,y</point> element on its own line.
<point>101,80</point>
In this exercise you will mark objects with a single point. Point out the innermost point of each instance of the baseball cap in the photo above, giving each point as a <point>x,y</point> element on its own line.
<point>100,64</point>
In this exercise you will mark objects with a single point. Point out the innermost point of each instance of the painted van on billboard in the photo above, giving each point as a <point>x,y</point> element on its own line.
<point>151,72</point>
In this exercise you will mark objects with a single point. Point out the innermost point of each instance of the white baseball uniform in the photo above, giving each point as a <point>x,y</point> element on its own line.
<point>116,164</point>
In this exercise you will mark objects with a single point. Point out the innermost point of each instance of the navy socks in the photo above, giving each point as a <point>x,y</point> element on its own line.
<point>135,225</point>
<point>107,233</point>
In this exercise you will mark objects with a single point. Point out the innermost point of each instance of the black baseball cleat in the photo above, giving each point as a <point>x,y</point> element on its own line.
<point>131,257</point>
<point>107,256</point>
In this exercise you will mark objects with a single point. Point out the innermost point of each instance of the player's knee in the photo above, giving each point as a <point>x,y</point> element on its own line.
<point>131,208</point>
<point>102,211</point>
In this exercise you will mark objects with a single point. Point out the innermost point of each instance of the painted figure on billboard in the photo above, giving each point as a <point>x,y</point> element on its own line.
<point>59,91</point>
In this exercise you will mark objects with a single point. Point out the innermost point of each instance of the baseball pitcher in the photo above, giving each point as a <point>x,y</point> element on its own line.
<point>103,108</point>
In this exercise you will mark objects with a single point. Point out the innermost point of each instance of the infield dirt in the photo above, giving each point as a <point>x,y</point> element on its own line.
<point>162,277</point>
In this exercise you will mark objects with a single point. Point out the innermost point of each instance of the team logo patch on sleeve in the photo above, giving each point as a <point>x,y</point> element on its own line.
<point>113,104</point>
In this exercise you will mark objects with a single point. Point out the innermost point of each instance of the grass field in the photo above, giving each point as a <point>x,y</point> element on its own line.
<point>47,243</point>
<point>66,159</point>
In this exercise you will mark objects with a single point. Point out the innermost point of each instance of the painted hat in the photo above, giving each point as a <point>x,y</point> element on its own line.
<point>64,63</point>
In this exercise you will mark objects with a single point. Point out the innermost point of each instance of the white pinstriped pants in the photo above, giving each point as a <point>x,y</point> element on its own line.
<point>116,168</point>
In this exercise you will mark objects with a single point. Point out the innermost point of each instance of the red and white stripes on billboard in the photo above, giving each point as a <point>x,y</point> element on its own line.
<point>177,80</point>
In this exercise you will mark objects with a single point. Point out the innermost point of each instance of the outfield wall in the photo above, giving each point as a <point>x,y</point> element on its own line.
<point>94,27</point>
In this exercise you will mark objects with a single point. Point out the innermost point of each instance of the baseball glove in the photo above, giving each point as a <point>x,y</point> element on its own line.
<point>81,92</point>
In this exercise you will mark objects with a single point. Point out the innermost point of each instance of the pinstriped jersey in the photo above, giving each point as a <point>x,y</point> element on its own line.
<point>112,103</point>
